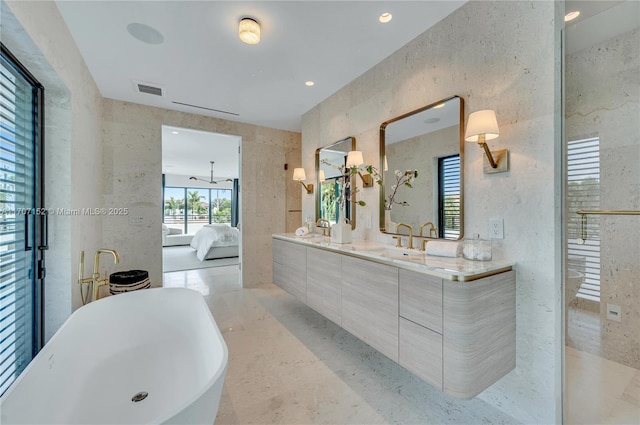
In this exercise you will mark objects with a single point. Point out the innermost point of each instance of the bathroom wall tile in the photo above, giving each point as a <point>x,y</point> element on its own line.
<point>492,57</point>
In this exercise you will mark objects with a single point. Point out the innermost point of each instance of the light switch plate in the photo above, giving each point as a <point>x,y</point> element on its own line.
<point>496,228</point>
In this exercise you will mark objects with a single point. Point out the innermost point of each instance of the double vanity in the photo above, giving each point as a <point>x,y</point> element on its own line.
<point>449,321</point>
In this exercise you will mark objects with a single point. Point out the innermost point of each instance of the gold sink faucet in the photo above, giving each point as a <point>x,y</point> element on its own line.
<point>433,233</point>
<point>94,281</point>
<point>398,226</point>
<point>325,225</point>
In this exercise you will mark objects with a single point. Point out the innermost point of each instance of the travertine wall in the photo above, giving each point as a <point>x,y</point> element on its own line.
<point>496,55</point>
<point>132,178</point>
<point>36,33</point>
<point>603,99</point>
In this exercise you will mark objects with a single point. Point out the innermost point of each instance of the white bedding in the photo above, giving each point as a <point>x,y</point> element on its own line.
<point>213,235</point>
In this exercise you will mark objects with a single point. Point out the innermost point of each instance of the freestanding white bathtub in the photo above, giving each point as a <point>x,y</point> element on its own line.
<point>163,342</point>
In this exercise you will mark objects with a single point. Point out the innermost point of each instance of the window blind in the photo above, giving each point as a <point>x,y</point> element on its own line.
<point>18,117</point>
<point>583,193</point>
<point>449,196</point>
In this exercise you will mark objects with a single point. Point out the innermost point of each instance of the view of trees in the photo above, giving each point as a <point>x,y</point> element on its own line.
<point>197,206</point>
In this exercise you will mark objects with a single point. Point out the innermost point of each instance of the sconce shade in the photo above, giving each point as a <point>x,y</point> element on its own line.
<point>321,176</point>
<point>482,123</point>
<point>354,159</point>
<point>249,31</point>
<point>299,174</point>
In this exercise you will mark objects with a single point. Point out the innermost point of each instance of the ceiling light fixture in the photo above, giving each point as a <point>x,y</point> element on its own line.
<point>211,180</point>
<point>309,83</point>
<point>249,31</point>
<point>571,15</point>
<point>385,17</point>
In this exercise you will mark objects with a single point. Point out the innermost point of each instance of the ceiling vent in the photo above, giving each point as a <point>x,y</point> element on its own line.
<point>148,88</point>
<point>142,88</point>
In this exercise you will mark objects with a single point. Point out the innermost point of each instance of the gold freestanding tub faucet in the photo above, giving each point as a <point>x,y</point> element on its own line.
<point>94,281</point>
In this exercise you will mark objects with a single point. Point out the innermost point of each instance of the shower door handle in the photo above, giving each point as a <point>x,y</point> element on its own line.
<point>44,231</point>
<point>27,246</point>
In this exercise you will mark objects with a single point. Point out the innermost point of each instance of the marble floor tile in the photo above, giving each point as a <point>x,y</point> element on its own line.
<point>290,365</point>
<point>600,391</point>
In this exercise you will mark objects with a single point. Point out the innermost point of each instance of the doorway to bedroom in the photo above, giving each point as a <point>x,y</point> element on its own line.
<point>201,200</point>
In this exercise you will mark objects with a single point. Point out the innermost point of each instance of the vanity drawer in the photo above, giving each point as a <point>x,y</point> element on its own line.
<point>289,253</point>
<point>420,352</point>
<point>421,299</point>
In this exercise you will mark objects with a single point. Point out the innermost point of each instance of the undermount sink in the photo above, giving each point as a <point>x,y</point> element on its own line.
<point>395,252</point>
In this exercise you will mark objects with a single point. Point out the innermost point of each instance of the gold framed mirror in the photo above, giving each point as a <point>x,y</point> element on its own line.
<point>328,162</point>
<point>421,168</point>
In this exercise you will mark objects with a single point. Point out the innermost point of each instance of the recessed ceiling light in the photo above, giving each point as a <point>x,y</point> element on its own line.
<point>174,132</point>
<point>145,33</point>
<point>571,15</point>
<point>439,105</point>
<point>385,17</point>
<point>309,83</point>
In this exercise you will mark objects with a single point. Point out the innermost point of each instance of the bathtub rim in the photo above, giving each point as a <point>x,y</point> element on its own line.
<point>221,371</point>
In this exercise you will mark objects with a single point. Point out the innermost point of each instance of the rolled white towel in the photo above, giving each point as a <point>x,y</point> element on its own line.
<point>302,231</point>
<point>443,248</point>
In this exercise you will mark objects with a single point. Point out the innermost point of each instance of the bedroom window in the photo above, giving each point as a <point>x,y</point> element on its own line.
<point>190,208</point>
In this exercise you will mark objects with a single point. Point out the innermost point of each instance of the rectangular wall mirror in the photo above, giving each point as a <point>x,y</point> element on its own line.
<point>429,141</point>
<point>328,176</point>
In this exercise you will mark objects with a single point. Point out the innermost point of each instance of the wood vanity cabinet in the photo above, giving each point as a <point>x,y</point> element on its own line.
<point>324,286</point>
<point>420,338</point>
<point>289,269</point>
<point>370,304</point>
<point>457,335</point>
<point>479,345</point>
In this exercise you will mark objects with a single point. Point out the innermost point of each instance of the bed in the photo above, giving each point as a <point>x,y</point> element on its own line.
<point>216,241</point>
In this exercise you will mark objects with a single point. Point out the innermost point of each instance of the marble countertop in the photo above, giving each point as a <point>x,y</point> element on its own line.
<point>455,269</point>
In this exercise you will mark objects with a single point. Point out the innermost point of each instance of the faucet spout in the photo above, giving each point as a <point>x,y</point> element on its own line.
<point>433,233</point>
<point>96,259</point>
<point>398,226</point>
<point>325,225</point>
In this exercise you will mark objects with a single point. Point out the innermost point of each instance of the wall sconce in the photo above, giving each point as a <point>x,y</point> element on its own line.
<point>321,176</point>
<point>299,176</point>
<point>354,160</point>
<point>249,31</point>
<point>483,126</point>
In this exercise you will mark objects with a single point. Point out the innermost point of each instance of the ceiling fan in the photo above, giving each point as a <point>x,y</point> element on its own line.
<point>211,180</point>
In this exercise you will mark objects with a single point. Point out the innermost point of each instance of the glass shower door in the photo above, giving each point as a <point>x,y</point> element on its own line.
<point>602,214</point>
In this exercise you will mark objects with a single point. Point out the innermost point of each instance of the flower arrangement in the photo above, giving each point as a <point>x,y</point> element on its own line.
<point>345,184</point>
<point>403,178</point>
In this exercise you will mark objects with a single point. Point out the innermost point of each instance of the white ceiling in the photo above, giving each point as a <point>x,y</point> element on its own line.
<point>188,153</point>
<point>599,21</point>
<point>203,62</point>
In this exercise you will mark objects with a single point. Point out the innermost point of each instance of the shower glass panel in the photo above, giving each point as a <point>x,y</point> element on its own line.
<point>602,214</point>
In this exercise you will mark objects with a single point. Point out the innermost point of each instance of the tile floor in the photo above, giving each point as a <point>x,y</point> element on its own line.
<point>599,391</point>
<point>290,365</point>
